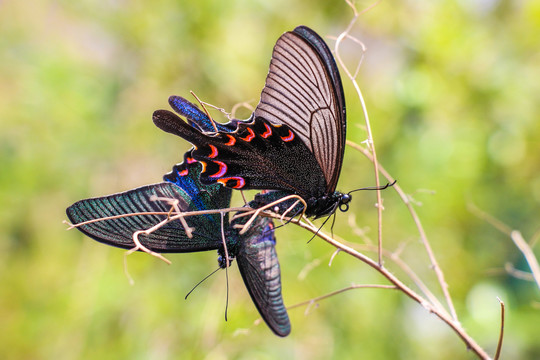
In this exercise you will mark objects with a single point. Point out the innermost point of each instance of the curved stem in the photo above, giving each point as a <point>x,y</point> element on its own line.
<point>370,141</point>
<point>455,325</point>
<point>423,237</point>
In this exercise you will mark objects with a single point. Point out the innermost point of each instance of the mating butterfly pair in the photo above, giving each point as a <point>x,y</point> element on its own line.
<point>255,250</point>
<point>293,144</point>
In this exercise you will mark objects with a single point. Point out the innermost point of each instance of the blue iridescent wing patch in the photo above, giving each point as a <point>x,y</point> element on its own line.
<point>170,238</point>
<point>197,118</point>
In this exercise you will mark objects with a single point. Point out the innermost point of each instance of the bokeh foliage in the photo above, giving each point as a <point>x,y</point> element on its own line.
<point>453,92</point>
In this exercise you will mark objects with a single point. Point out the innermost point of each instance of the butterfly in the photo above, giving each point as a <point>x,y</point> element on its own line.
<point>295,139</point>
<point>254,250</point>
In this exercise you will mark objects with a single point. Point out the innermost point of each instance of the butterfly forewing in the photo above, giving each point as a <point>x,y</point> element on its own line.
<point>303,90</point>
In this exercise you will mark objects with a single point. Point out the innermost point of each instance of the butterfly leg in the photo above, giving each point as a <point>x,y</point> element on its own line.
<point>271,205</point>
<point>290,209</point>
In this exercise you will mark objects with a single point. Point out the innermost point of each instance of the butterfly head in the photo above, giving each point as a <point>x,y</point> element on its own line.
<point>328,204</point>
<point>344,201</point>
<point>222,262</point>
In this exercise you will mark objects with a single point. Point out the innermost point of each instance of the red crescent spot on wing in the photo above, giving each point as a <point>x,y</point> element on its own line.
<point>268,131</point>
<point>289,137</point>
<point>203,166</point>
<point>183,172</point>
<point>222,170</point>
<point>232,141</point>
<point>190,160</point>
<point>214,152</point>
<point>250,136</point>
<point>240,182</point>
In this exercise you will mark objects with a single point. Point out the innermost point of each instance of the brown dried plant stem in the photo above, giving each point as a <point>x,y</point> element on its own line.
<point>433,307</point>
<point>528,253</point>
<point>455,325</point>
<point>348,288</point>
<point>370,142</point>
<point>434,263</point>
<point>371,154</point>
<point>517,238</point>
<point>501,334</point>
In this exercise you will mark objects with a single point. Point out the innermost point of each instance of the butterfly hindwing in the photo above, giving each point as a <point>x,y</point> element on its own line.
<point>258,263</point>
<point>119,231</point>
<point>249,158</point>
<point>197,118</point>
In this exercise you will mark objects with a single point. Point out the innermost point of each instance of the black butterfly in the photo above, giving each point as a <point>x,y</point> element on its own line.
<point>254,250</point>
<point>294,141</point>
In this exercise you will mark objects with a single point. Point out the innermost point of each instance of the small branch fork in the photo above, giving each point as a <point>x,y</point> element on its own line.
<point>423,237</point>
<point>257,212</point>
<point>176,214</point>
<point>396,284</point>
<point>517,238</point>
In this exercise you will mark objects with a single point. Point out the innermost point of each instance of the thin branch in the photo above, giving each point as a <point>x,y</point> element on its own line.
<point>528,253</point>
<point>343,35</point>
<point>244,104</point>
<point>206,111</point>
<point>423,237</point>
<point>455,325</point>
<point>518,274</point>
<point>501,333</point>
<point>333,293</point>
<point>516,237</point>
<point>171,218</point>
<point>490,219</point>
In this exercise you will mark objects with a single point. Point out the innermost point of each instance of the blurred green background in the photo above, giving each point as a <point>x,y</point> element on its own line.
<point>453,92</point>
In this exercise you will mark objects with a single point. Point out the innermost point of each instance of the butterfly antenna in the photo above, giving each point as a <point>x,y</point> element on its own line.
<point>375,187</point>
<point>227,298</point>
<point>226,263</point>
<point>200,282</point>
